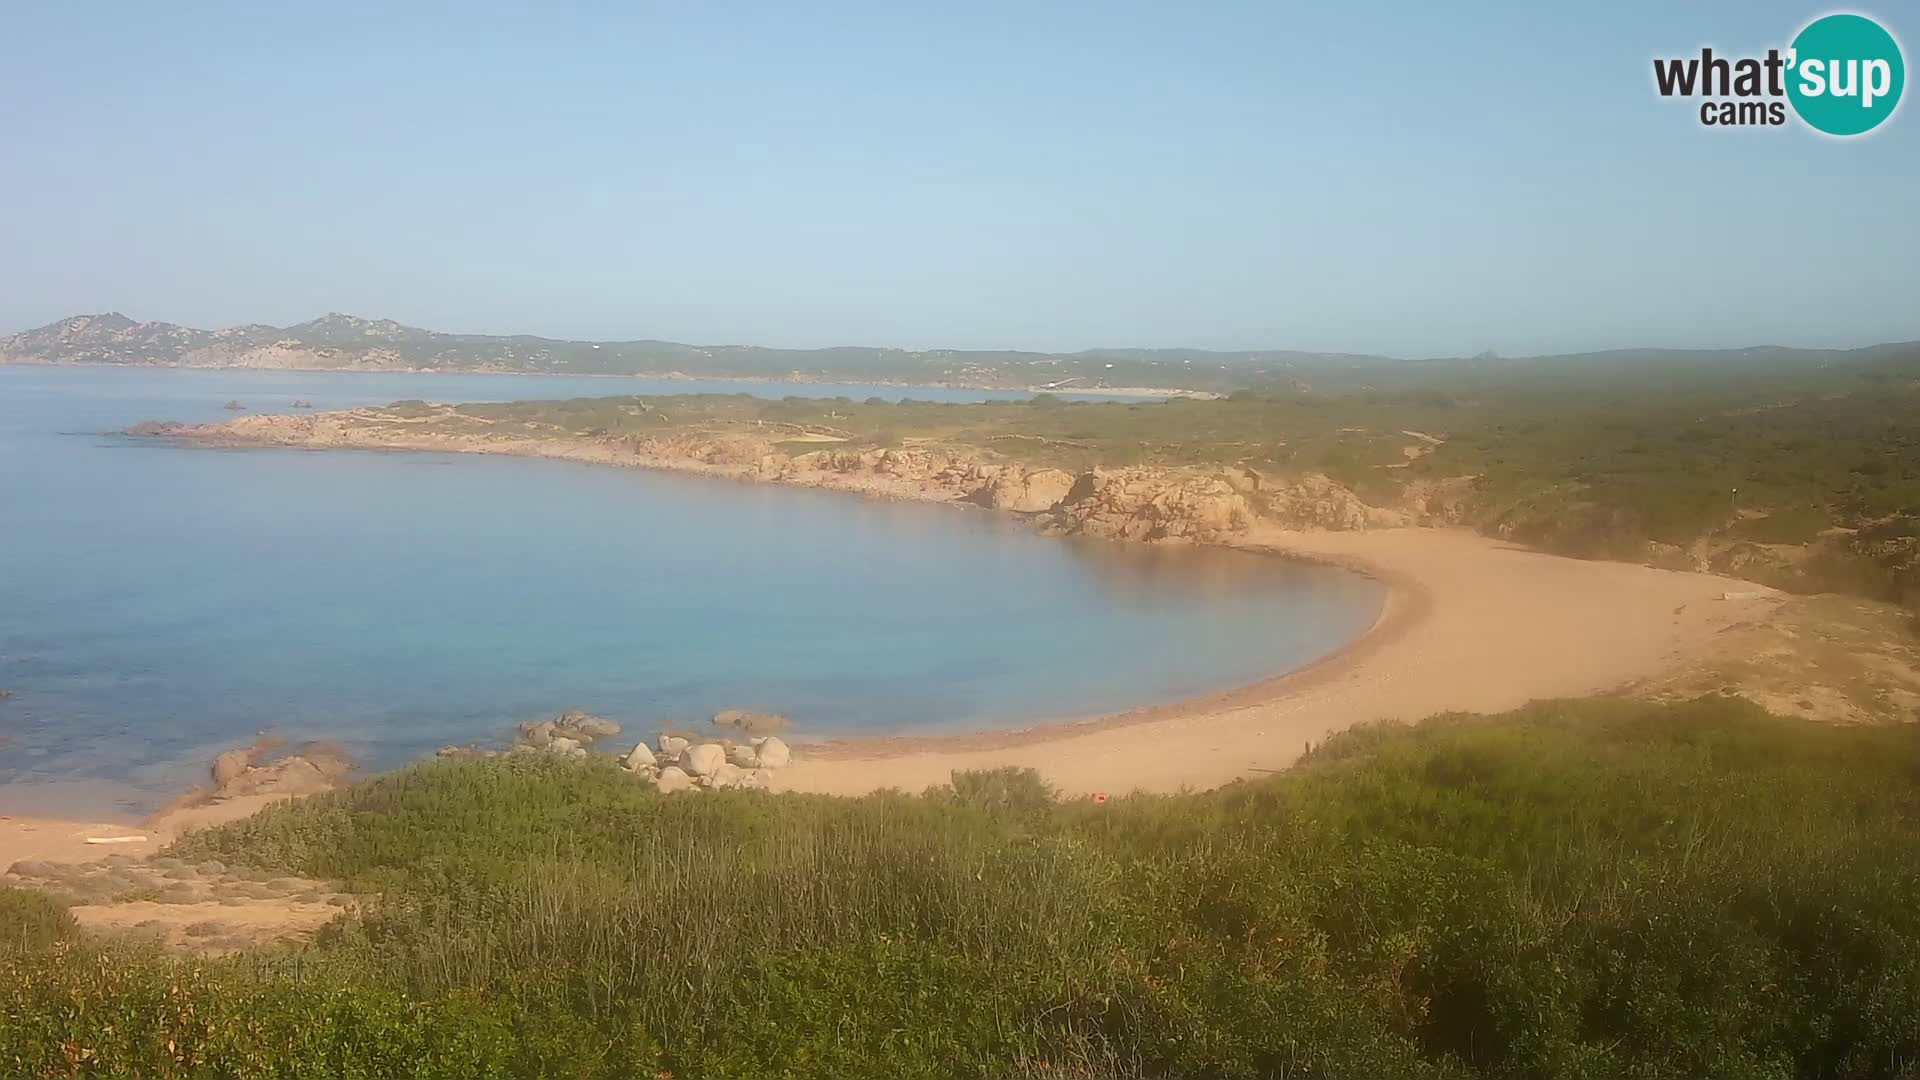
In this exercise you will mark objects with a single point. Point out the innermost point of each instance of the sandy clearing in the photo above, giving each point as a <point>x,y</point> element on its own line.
<point>1471,624</point>
<point>133,888</point>
<point>65,840</point>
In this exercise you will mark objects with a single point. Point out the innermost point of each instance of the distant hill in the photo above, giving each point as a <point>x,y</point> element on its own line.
<point>351,343</point>
<point>348,342</point>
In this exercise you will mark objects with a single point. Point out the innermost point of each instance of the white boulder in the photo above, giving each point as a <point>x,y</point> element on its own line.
<point>671,780</point>
<point>641,758</point>
<point>703,760</point>
<point>773,752</point>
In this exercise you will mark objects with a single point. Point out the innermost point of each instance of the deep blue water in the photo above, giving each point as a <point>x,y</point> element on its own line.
<point>159,603</point>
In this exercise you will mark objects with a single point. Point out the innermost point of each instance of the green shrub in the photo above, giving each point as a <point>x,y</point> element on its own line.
<point>31,921</point>
<point>1587,889</point>
<point>1018,791</point>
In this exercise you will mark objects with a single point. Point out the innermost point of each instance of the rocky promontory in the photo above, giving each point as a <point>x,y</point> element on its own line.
<point>1137,502</point>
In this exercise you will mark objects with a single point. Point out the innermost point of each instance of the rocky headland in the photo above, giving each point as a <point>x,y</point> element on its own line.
<point>1135,502</point>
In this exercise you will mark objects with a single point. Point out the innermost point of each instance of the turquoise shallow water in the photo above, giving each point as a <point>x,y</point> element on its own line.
<point>160,603</point>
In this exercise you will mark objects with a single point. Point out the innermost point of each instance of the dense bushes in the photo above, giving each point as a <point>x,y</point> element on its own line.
<point>30,922</point>
<point>1588,889</point>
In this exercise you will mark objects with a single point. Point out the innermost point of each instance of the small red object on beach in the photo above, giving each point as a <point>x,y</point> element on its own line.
<point>1098,796</point>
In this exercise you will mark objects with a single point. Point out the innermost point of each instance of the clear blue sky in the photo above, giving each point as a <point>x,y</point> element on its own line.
<point>1405,178</point>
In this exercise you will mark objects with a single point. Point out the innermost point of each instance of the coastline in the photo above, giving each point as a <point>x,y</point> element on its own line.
<point>1452,634</point>
<point>1405,605</point>
<point>1471,625</point>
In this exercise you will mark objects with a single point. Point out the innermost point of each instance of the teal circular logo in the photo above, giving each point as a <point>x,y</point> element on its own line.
<point>1845,74</point>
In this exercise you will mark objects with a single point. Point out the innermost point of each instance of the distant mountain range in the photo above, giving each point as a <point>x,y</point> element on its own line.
<point>350,343</point>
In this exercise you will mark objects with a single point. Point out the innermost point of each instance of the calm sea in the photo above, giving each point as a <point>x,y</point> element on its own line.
<point>159,604</point>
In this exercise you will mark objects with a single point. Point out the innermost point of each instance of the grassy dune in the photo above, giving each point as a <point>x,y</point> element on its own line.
<point>1596,888</point>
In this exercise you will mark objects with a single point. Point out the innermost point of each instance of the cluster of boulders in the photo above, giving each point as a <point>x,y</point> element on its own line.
<point>676,763</point>
<point>673,762</point>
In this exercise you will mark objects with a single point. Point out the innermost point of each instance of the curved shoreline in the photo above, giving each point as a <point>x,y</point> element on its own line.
<point>1452,634</point>
<point>1405,604</point>
<point>1470,625</point>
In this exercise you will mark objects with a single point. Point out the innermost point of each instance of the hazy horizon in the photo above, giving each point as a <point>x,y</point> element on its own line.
<point>1103,348</point>
<point>994,177</point>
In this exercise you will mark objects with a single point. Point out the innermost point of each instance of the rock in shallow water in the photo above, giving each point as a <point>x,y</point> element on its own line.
<point>752,723</point>
<point>583,727</point>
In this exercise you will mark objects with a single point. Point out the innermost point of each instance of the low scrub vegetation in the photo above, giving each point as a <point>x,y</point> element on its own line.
<point>1577,889</point>
<point>30,922</point>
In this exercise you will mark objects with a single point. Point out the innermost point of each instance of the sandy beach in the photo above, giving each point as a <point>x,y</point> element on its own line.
<point>1471,624</point>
